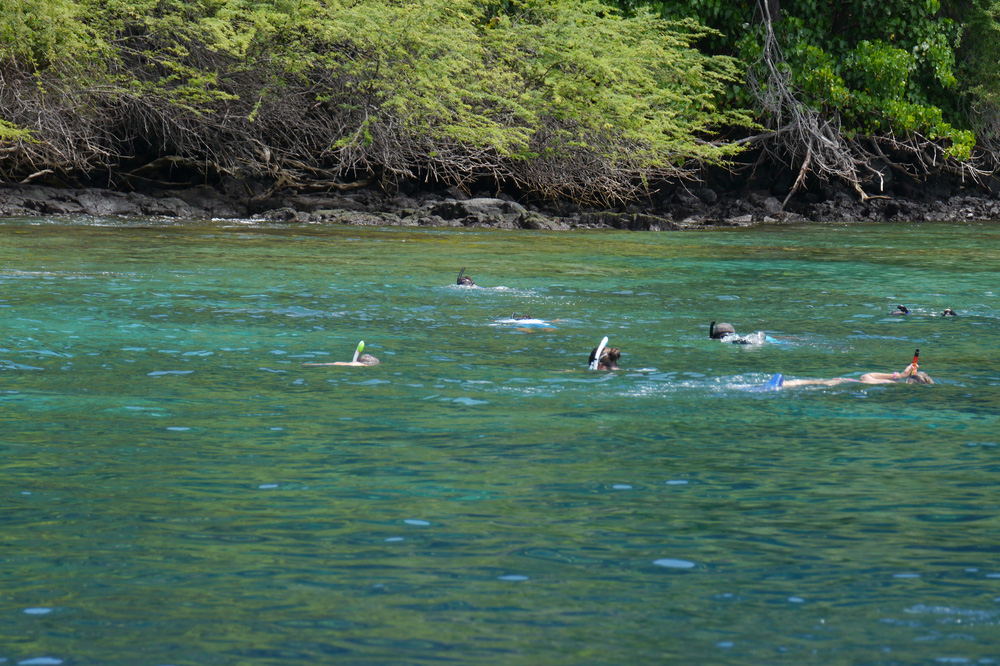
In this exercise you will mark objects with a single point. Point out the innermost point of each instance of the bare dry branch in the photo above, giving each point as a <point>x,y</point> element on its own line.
<point>798,134</point>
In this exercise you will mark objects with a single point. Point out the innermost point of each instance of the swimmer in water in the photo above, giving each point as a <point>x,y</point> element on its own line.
<point>910,375</point>
<point>948,312</point>
<point>364,361</point>
<point>609,358</point>
<point>526,323</point>
<point>720,331</point>
<point>900,310</point>
<point>726,333</point>
<point>463,280</point>
<point>360,360</point>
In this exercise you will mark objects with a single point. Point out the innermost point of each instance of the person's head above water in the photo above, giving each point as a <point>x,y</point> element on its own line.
<point>609,358</point>
<point>367,359</point>
<point>719,331</point>
<point>900,310</point>
<point>948,312</point>
<point>463,280</point>
<point>919,377</point>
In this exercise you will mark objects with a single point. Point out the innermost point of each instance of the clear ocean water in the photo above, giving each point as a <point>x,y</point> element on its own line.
<point>179,488</point>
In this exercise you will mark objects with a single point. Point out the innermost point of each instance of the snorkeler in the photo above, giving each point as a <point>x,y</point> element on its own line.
<point>720,331</point>
<point>910,375</point>
<point>360,360</point>
<point>526,323</point>
<point>463,280</point>
<point>900,310</point>
<point>948,312</point>
<point>726,333</point>
<point>608,359</point>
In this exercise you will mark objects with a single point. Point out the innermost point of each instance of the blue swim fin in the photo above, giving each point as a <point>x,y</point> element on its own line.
<point>774,383</point>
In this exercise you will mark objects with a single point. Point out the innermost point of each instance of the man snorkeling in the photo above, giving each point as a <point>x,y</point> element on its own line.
<point>727,333</point>
<point>464,280</point>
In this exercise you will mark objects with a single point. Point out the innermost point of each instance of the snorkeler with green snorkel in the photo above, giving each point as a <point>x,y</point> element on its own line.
<point>359,360</point>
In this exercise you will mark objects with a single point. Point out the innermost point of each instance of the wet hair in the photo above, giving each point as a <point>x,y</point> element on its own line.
<point>717,332</point>
<point>919,377</point>
<point>900,309</point>
<point>368,359</point>
<point>520,316</point>
<point>609,358</point>
<point>948,312</point>
<point>464,281</point>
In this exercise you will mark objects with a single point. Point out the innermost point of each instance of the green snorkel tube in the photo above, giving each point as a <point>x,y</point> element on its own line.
<point>357,352</point>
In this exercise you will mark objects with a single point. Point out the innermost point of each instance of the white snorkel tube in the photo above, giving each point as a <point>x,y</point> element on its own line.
<point>357,352</point>
<point>597,355</point>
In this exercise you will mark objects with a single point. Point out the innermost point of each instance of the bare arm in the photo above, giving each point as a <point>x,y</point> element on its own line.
<point>888,377</point>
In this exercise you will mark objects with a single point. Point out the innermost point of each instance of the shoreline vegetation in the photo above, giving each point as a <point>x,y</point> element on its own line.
<point>535,114</point>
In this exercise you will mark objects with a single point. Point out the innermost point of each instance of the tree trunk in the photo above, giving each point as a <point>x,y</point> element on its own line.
<point>772,10</point>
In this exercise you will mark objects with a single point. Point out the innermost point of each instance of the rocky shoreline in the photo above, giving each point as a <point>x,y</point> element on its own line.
<point>677,209</point>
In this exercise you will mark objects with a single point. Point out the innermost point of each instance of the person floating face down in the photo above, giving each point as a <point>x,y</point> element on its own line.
<point>364,361</point>
<point>464,280</point>
<point>727,333</point>
<point>909,375</point>
<point>359,361</point>
<point>609,358</point>
<point>720,331</point>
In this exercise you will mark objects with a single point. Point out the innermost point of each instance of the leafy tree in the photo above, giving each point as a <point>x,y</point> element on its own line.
<point>845,87</point>
<point>563,97</point>
<point>976,66</point>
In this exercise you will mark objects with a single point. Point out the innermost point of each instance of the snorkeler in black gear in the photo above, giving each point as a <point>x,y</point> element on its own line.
<point>727,333</point>
<point>720,331</point>
<point>464,281</point>
<point>900,310</point>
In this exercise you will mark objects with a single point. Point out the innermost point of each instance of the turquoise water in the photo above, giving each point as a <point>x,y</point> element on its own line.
<point>178,488</point>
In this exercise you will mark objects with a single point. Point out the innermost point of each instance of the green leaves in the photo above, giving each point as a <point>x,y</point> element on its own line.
<point>46,34</point>
<point>562,96</point>
<point>11,132</point>
<point>880,66</point>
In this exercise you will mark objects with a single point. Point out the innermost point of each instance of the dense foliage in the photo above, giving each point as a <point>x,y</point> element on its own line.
<point>913,83</point>
<point>978,66</point>
<point>562,97</point>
